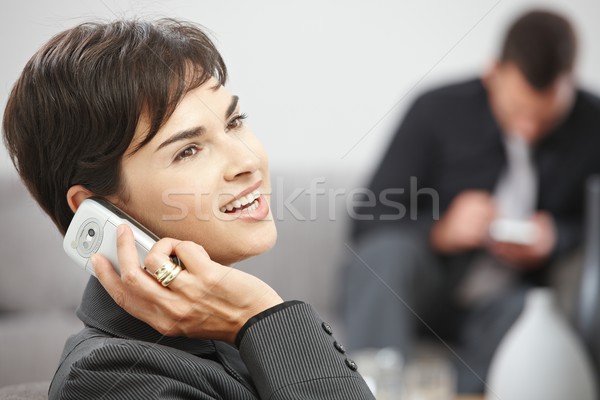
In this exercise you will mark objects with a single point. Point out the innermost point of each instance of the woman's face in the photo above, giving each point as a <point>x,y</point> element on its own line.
<point>204,177</point>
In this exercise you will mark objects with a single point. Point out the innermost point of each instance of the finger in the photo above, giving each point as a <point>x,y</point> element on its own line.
<point>126,251</point>
<point>191,255</point>
<point>127,297</point>
<point>500,247</point>
<point>129,264</point>
<point>513,253</point>
<point>497,248</point>
<point>202,269</point>
<point>108,277</point>
<point>195,258</point>
<point>160,252</point>
<point>136,283</point>
<point>159,255</point>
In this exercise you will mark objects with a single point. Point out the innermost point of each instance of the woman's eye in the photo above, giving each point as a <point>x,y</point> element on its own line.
<point>187,153</point>
<point>236,122</point>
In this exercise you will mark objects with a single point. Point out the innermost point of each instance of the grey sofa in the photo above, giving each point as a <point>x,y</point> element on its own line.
<point>25,391</point>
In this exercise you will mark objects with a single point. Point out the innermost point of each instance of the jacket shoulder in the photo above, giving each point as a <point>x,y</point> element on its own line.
<point>96,363</point>
<point>451,94</point>
<point>590,99</point>
<point>78,347</point>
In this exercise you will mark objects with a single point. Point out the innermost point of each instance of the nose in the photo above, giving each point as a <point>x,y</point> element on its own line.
<point>242,159</point>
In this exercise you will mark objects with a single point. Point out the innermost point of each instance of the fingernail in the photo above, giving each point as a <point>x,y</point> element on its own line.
<point>120,229</point>
<point>94,260</point>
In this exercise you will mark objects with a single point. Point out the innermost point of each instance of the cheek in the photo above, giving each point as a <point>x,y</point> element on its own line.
<point>165,206</point>
<point>191,200</point>
<point>259,150</point>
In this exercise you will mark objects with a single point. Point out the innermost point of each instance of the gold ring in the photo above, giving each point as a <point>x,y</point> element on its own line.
<point>172,275</point>
<point>164,270</point>
<point>167,273</point>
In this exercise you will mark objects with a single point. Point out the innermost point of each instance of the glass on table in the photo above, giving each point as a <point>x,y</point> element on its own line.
<point>432,378</point>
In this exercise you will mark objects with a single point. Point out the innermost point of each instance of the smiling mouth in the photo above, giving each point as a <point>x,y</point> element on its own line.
<point>248,202</point>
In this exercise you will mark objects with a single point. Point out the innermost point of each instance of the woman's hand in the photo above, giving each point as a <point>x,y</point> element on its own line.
<point>206,301</point>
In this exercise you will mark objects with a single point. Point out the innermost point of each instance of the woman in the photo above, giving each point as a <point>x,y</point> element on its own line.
<point>136,112</point>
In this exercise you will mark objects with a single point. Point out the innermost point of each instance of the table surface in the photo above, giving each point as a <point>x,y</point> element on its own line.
<point>471,397</point>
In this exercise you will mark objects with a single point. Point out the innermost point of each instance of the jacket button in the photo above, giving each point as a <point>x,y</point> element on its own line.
<point>351,364</point>
<point>327,328</point>
<point>339,347</point>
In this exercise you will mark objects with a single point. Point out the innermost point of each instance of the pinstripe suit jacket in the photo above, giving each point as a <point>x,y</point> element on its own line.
<point>289,353</point>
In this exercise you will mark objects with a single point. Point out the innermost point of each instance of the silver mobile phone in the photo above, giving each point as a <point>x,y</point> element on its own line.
<point>513,231</point>
<point>94,230</point>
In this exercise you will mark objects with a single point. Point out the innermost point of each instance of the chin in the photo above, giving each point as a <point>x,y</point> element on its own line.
<point>258,244</point>
<point>263,244</point>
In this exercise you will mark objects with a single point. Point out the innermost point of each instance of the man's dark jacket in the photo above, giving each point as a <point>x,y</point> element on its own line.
<point>449,141</point>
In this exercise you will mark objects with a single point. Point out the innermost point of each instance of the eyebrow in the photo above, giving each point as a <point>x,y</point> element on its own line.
<point>197,131</point>
<point>183,135</point>
<point>232,106</point>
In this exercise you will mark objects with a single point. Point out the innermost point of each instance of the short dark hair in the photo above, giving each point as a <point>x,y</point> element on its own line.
<point>543,45</point>
<point>73,111</point>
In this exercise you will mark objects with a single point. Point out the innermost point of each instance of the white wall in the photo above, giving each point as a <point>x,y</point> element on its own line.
<point>324,82</point>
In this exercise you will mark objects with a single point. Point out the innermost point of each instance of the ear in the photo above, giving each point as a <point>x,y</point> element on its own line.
<point>76,195</point>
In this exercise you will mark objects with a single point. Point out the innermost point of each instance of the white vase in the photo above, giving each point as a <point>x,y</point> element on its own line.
<point>540,357</point>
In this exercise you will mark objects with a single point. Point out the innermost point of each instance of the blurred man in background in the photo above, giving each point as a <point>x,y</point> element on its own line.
<point>480,191</point>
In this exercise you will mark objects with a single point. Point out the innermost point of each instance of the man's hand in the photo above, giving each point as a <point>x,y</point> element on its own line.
<point>465,224</point>
<point>529,256</point>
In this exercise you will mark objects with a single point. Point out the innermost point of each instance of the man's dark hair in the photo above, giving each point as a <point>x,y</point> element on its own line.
<point>73,111</point>
<point>543,45</point>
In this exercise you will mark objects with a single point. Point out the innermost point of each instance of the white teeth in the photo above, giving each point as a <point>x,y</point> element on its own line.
<point>243,201</point>
<point>253,206</point>
<point>246,199</point>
